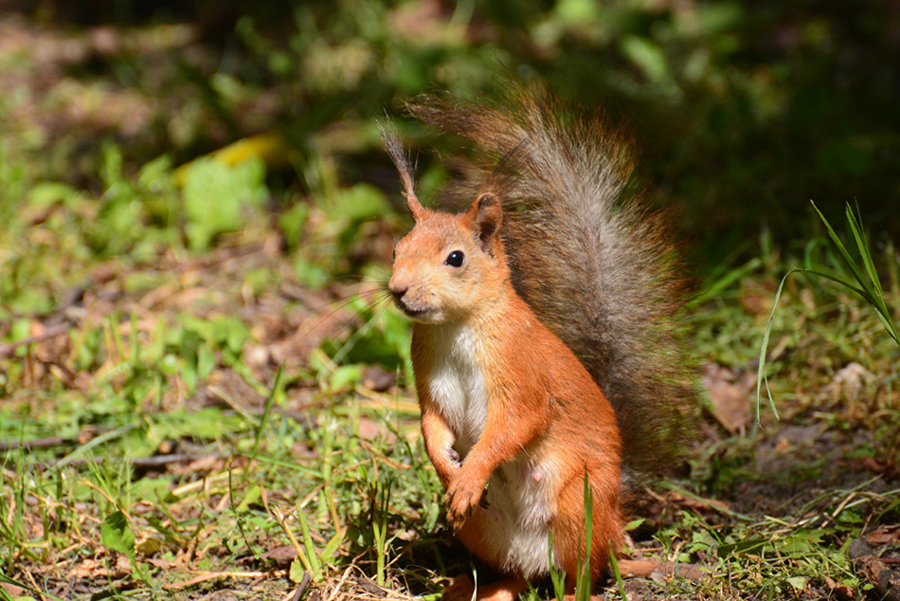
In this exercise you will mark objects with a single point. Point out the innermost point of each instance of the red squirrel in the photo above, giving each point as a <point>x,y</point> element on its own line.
<point>545,335</point>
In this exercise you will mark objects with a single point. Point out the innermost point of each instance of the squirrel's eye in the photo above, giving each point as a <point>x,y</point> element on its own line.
<point>455,259</point>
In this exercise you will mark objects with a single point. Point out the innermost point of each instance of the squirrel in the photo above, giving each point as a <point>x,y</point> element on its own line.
<point>545,344</point>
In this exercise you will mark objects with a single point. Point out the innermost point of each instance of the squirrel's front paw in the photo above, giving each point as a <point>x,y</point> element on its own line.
<point>462,498</point>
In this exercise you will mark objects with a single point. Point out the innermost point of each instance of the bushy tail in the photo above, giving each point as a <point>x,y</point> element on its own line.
<point>596,265</point>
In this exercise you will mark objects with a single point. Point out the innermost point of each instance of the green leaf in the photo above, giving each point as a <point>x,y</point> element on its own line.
<point>764,346</point>
<point>345,377</point>
<point>49,193</point>
<point>156,173</point>
<point>584,584</point>
<point>648,56</point>
<point>578,11</point>
<point>311,274</point>
<point>252,495</point>
<point>216,196</point>
<point>291,223</point>
<point>741,547</point>
<point>725,281</point>
<point>718,17</point>
<point>848,258</point>
<point>310,549</point>
<point>634,524</point>
<point>614,566</point>
<point>360,202</point>
<point>297,571</point>
<point>556,576</point>
<point>115,534</point>
<point>331,547</point>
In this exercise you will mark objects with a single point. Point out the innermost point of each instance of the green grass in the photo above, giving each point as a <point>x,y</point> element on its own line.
<point>177,416</point>
<point>201,434</point>
<point>855,273</point>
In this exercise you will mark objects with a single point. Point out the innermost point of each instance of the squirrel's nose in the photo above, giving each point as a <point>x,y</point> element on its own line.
<point>398,287</point>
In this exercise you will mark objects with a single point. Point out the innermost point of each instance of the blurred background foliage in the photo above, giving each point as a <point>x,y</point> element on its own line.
<point>742,111</point>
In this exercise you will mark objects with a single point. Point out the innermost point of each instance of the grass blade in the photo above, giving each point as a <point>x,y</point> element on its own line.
<point>614,566</point>
<point>874,294</point>
<point>312,558</point>
<point>868,287</point>
<point>763,349</point>
<point>556,576</point>
<point>848,258</point>
<point>270,402</point>
<point>862,244</point>
<point>4,596</point>
<point>583,588</point>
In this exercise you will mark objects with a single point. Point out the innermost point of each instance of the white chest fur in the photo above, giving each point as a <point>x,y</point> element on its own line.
<point>457,384</point>
<point>520,496</point>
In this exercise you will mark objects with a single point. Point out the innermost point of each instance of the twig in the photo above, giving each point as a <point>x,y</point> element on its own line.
<point>304,584</point>
<point>8,349</point>
<point>337,587</point>
<point>204,576</point>
<point>38,443</point>
<point>643,568</point>
<point>158,460</point>
<point>137,462</point>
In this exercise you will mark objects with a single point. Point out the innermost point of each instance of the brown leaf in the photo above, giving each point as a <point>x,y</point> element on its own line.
<point>842,592</point>
<point>377,379</point>
<point>884,535</point>
<point>698,503</point>
<point>879,466</point>
<point>729,394</point>
<point>372,430</point>
<point>14,591</point>
<point>281,556</point>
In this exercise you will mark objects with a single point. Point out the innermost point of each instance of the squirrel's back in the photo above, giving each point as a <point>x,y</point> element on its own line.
<point>587,253</point>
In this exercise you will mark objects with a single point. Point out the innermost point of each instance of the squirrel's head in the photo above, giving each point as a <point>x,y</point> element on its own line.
<point>449,267</point>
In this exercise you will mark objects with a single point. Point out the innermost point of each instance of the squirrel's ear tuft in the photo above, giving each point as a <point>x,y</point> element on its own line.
<point>416,209</point>
<point>486,215</point>
<point>401,161</point>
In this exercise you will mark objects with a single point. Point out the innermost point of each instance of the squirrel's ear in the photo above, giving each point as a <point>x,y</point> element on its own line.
<point>486,215</point>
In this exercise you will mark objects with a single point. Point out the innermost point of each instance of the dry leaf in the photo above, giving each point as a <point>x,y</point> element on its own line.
<point>729,394</point>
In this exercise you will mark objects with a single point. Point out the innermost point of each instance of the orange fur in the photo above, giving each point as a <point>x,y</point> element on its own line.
<point>503,393</point>
<point>547,341</point>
